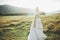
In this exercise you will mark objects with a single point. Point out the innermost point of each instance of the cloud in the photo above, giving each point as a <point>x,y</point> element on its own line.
<point>2,1</point>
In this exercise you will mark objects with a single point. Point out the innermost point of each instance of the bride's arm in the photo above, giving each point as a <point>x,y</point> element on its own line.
<point>35,20</point>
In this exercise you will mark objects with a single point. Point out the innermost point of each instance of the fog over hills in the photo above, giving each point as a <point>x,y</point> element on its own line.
<point>12,10</point>
<point>8,9</point>
<point>53,12</point>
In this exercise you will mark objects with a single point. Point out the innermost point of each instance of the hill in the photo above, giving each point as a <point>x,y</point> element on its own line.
<point>11,10</point>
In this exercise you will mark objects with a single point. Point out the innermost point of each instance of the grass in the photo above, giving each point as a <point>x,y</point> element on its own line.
<point>17,27</point>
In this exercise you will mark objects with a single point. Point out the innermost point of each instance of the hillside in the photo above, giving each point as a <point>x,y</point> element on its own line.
<point>11,10</point>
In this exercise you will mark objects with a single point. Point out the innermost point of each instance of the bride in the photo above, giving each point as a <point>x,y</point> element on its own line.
<point>36,30</point>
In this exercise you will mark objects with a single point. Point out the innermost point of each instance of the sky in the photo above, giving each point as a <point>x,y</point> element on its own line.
<point>44,5</point>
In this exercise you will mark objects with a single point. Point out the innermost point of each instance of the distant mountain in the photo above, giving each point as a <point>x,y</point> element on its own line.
<point>57,11</point>
<point>11,10</point>
<point>53,12</point>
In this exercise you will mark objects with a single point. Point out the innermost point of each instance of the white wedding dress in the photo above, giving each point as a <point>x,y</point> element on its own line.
<point>36,33</point>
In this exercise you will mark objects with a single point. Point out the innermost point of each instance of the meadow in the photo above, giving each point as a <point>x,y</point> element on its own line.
<point>17,27</point>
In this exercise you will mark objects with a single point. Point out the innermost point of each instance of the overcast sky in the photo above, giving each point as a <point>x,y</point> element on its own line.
<point>44,5</point>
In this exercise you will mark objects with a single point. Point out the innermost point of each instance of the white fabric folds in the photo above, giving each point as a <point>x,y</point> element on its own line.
<point>36,33</point>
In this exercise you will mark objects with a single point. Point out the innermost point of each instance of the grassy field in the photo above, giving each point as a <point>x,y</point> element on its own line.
<point>52,26</point>
<point>17,27</point>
